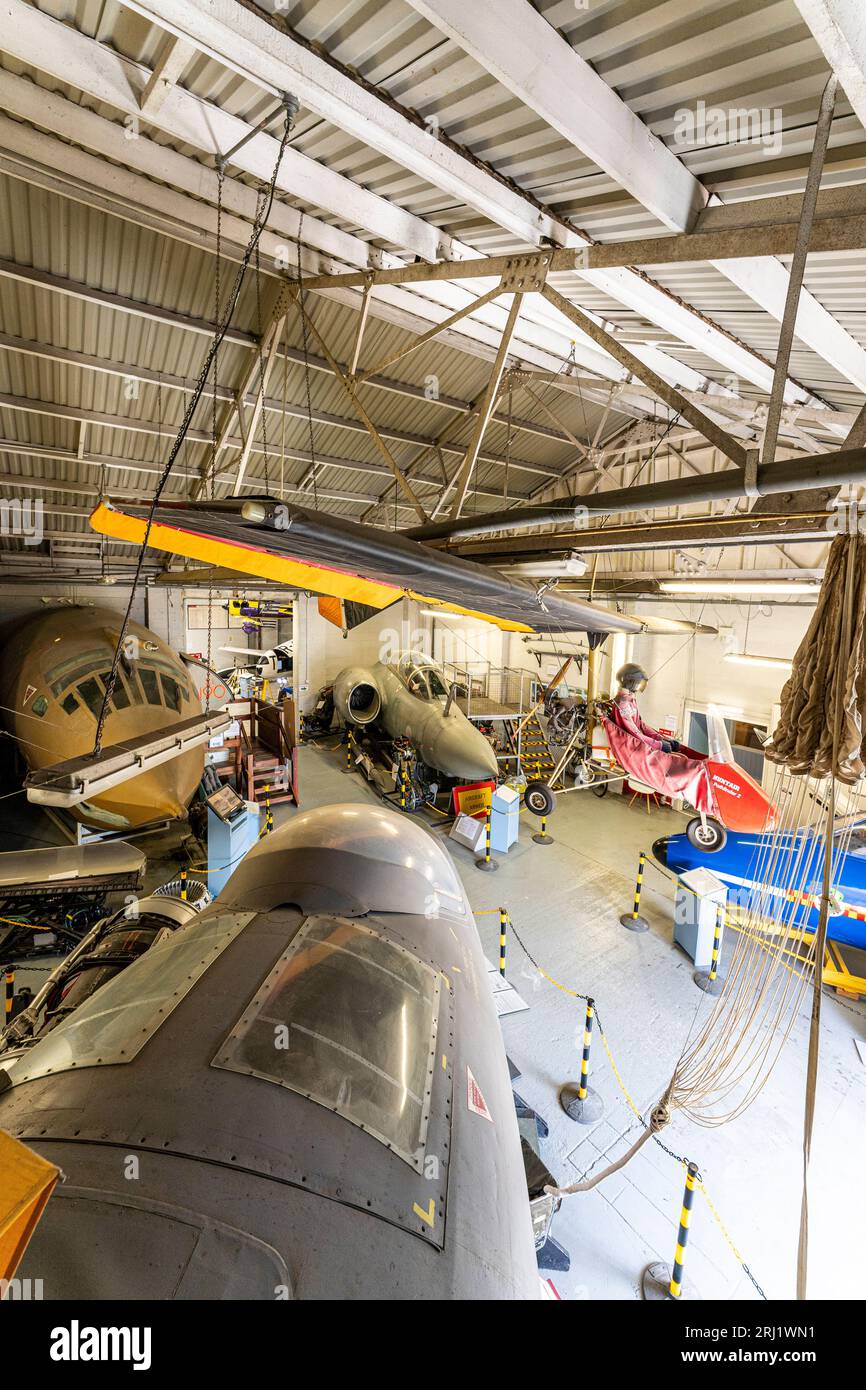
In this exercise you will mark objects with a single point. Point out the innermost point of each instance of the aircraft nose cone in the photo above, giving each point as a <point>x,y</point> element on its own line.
<point>463,752</point>
<point>660,849</point>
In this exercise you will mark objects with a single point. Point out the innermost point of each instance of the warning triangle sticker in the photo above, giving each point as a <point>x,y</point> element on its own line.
<point>474,1099</point>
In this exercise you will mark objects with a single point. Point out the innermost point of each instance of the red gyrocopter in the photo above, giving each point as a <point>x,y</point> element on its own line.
<point>724,795</point>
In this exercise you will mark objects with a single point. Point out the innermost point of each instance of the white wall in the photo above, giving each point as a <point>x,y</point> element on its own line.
<point>321,650</point>
<point>467,643</point>
<point>692,670</point>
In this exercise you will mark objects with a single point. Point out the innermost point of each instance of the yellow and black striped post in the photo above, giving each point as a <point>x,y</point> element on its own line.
<point>633,920</point>
<point>350,749</point>
<point>269,815</point>
<point>676,1285</point>
<point>402,782</point>
<point>183,885</point>
<point>486,863</point>
<point>576,1098</point>
<point>10,992</point>
<point>503,926</point>
<point>541,836</point>
<point>661,1281</point>
<point>710,981</point>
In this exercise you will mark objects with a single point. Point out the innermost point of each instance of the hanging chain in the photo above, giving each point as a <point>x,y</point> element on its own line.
<point>509,437</point>
<point>192,406</point>
<point>214,427</point>
<point>258,283</point>
<point>306,346</point>
<point>217,306</point>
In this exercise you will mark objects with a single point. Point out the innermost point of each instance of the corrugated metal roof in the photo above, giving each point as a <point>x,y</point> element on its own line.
<point>660,56</point>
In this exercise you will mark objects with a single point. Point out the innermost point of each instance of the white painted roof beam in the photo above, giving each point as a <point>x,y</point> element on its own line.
<point>839,29</point>
<point>519,47</point>
<point>267,56</point>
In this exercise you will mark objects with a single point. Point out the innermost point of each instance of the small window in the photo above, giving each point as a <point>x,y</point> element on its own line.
<point>119,695</point>
<point>69,703</point>
<point>40,705</point>
<point>348,1019</point>
<point>171,691</point>
<point>91,693</point>
<point>150,685</point>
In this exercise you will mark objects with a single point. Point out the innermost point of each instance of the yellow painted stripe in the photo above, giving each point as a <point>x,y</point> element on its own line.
<point>427,1215</point>
<point>295,574</point>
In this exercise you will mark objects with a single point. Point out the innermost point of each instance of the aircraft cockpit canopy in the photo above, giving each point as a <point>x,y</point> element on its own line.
<point>421,676</point>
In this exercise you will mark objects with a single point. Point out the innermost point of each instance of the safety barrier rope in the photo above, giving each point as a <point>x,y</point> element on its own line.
<point>700,1183</point>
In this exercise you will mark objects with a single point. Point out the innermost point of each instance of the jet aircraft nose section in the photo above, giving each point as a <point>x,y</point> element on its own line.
<point>461,751</point>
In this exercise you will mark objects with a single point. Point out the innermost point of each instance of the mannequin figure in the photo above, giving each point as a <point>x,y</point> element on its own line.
<point>632,681</point>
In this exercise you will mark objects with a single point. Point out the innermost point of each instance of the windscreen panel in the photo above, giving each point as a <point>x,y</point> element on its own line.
<point>348,1019</point>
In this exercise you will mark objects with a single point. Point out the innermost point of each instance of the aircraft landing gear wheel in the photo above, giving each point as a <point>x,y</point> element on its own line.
<point>539,799</point>
<point>599,787</point>
<point>707,835</point>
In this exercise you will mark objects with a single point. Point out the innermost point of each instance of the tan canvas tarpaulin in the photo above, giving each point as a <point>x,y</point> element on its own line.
<point>26,1183</point>
<point>824,701</point>
<point>820,735</point>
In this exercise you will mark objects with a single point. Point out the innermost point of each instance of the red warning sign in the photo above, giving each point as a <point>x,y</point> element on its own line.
<point>474,1099</point>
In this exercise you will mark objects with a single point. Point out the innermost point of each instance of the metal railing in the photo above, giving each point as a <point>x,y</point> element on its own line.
<point>481,684</point>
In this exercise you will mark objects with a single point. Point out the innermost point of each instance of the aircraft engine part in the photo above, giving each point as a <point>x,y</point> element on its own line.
<point>357,696</point>
<point>113,944</point>
<point>190,891</point>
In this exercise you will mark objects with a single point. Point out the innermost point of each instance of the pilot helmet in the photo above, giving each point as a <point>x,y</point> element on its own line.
<point>632,677</point>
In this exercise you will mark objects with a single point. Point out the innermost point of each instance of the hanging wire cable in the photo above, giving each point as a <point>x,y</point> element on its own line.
<point>198,390</point>
<point>305,342</point>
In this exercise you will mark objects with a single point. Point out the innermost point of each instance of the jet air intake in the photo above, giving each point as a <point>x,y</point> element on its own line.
<point>357,697</point>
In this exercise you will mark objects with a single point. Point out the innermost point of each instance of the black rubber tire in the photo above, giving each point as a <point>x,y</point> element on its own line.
<point>539,799</point>
<point>600,788</point>
<point>715,838</point>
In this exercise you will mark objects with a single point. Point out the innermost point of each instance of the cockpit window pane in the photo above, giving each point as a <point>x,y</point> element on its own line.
<point>348,1019</point>
<point>119,696</point>
<point>416,680</point>
<point>171,691</point>
<point>421,675</point>
<point>149,685</point>
<point>92,693</point>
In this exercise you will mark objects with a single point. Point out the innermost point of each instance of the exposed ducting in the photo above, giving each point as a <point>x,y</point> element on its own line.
<point>789,475</point>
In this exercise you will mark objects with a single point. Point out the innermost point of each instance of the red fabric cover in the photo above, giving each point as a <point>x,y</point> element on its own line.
<point>628,715</point>
<point>670,774</point>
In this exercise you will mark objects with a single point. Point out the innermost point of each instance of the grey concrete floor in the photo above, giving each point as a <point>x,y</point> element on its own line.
<point>565,900</point>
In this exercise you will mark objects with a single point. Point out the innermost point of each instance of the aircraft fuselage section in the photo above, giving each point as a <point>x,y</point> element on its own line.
<point>447,741</point>
<point>53,678</point>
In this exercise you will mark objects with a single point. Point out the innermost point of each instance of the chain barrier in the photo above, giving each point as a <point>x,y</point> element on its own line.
<point>679,1158</point>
